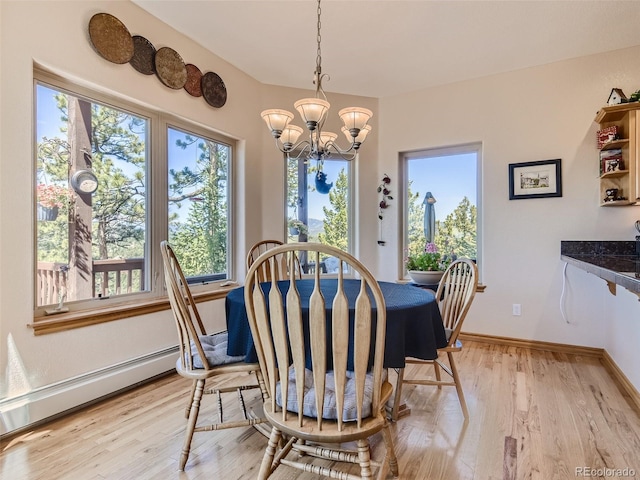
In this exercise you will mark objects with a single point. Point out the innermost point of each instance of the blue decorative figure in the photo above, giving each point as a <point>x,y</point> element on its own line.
<point>321,183</point>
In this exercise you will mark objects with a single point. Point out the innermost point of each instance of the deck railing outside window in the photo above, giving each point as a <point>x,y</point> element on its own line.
<point>110,277</point>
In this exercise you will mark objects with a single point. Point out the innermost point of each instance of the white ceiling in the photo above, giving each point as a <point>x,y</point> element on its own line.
<point>379,48</point>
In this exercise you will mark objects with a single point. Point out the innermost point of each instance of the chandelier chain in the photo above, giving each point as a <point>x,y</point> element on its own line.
<point>319,40</point>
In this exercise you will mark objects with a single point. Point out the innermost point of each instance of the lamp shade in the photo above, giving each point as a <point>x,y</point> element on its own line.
<point>290,134</point>
<point>326,138</point>
<point>355,117</point>
<point>276,120</point>
<point>360,138</point>
<point>312,110</point>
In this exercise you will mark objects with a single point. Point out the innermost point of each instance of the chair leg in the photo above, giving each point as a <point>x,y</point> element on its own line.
<point>456,379</point>
<point>262,385</point>
<point>398,395</point>
<point>191,422</point>
<point>364,459</point>
<point>269,454</point>
<point>436,370</point>
<point>391,451</point>
<point>188,408</point>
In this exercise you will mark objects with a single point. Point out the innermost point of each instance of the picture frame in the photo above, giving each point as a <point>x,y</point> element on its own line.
<point>613,165</point>
<point>539,179</point>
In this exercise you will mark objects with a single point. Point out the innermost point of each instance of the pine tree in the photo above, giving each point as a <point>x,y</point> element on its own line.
<point>336,217</point>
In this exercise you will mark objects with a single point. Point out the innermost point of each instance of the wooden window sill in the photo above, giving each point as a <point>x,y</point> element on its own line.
<point>66,321</point>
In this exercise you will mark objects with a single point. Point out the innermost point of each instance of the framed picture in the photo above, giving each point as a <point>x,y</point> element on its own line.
<point>612,165</point>
<point>535,179</point>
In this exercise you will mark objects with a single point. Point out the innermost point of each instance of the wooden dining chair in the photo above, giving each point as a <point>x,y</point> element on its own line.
<point>203,357</point>
<point>261,247</point>
<point>324,373</point>
<point>456,291</point>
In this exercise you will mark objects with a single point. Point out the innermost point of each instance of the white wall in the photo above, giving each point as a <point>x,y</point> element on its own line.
<point>533,114</point>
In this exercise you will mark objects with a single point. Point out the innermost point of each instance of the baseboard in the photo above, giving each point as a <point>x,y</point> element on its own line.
<point>533,344</point>
<point>45,403</point>
<point>618,375</point>
<point>621,378</point>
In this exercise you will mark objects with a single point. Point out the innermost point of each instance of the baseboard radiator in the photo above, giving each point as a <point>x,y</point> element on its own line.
<point>50,401</point>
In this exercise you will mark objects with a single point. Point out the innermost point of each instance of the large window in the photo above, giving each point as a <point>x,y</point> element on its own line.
<point>199,204</point>
<point>442,200</point>
<point>319,204</point>
<point>98,221</point>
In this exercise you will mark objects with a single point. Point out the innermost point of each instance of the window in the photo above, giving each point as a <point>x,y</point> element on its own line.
<point>442,200</point>
<point>319,205</point>
<point>101,245</point>
<point>199,204</point>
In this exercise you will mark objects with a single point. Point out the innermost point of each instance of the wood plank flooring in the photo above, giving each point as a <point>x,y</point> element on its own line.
<point>533,415</point>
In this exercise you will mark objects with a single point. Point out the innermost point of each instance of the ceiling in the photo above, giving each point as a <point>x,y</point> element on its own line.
<point>379,48</point>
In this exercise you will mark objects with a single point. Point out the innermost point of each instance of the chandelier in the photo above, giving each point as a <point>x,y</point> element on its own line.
<point>320,144</point>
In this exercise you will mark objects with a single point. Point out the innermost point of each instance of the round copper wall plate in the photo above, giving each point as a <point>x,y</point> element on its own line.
<point>143,55</point>
<point>170,68</point>
<point>214,90</point>
<point>110,38</point>
<point>194,76</point>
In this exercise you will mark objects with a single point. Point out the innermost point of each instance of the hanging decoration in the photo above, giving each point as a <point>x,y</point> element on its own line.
<point>383,189</point>
<point>321,182</point>
<point>112,41</point>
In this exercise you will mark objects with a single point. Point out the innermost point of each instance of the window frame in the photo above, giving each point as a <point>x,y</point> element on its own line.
<point>154,298</point>
<point>444,151</point>
<point>350,197</point>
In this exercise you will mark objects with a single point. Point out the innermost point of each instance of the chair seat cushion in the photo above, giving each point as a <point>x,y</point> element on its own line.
<point>215,351</point>
<point>330,411</point>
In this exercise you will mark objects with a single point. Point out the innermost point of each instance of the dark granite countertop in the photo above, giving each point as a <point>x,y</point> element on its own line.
<point>617,262</point>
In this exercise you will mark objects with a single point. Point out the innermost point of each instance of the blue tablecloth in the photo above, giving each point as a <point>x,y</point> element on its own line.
<point>414,324</point>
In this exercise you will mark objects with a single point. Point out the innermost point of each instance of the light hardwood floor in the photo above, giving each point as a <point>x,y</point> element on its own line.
<point>533,415</point>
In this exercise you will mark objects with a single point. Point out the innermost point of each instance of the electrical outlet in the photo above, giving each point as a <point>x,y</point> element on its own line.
<point>516,310</point>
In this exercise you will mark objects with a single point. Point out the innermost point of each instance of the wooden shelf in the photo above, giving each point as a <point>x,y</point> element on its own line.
<point>615,144</point>
<point>626,118</point>
<point>617,173</point>
<point>615,112</point>
<point>616,203</point>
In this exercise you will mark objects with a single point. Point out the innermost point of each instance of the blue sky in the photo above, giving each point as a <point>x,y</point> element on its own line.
<point>448,178</point>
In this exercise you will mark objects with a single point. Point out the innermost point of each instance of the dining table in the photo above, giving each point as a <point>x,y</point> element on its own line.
<point>414,326</point>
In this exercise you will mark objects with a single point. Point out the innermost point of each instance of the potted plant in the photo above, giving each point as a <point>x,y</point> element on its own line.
<point>427,268</point>
<point>296,227</point>
<point>50,199</point>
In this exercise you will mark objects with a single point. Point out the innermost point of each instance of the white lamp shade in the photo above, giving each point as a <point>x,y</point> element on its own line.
<point>355,117</point>
<point>362,135</point>
<point>290,134</point>
<point>327,137</point>
<point>276,120</point>
<point>312,109</point>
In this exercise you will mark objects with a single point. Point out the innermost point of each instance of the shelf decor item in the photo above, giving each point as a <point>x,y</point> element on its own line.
<point>539,179</point>
<point>607,134</point>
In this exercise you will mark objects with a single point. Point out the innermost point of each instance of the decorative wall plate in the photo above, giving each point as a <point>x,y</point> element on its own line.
<point>144,53</point>
<point>170,68</point>
<point>214,90</point>
<point>110,38</point>
<point>194,78</point>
